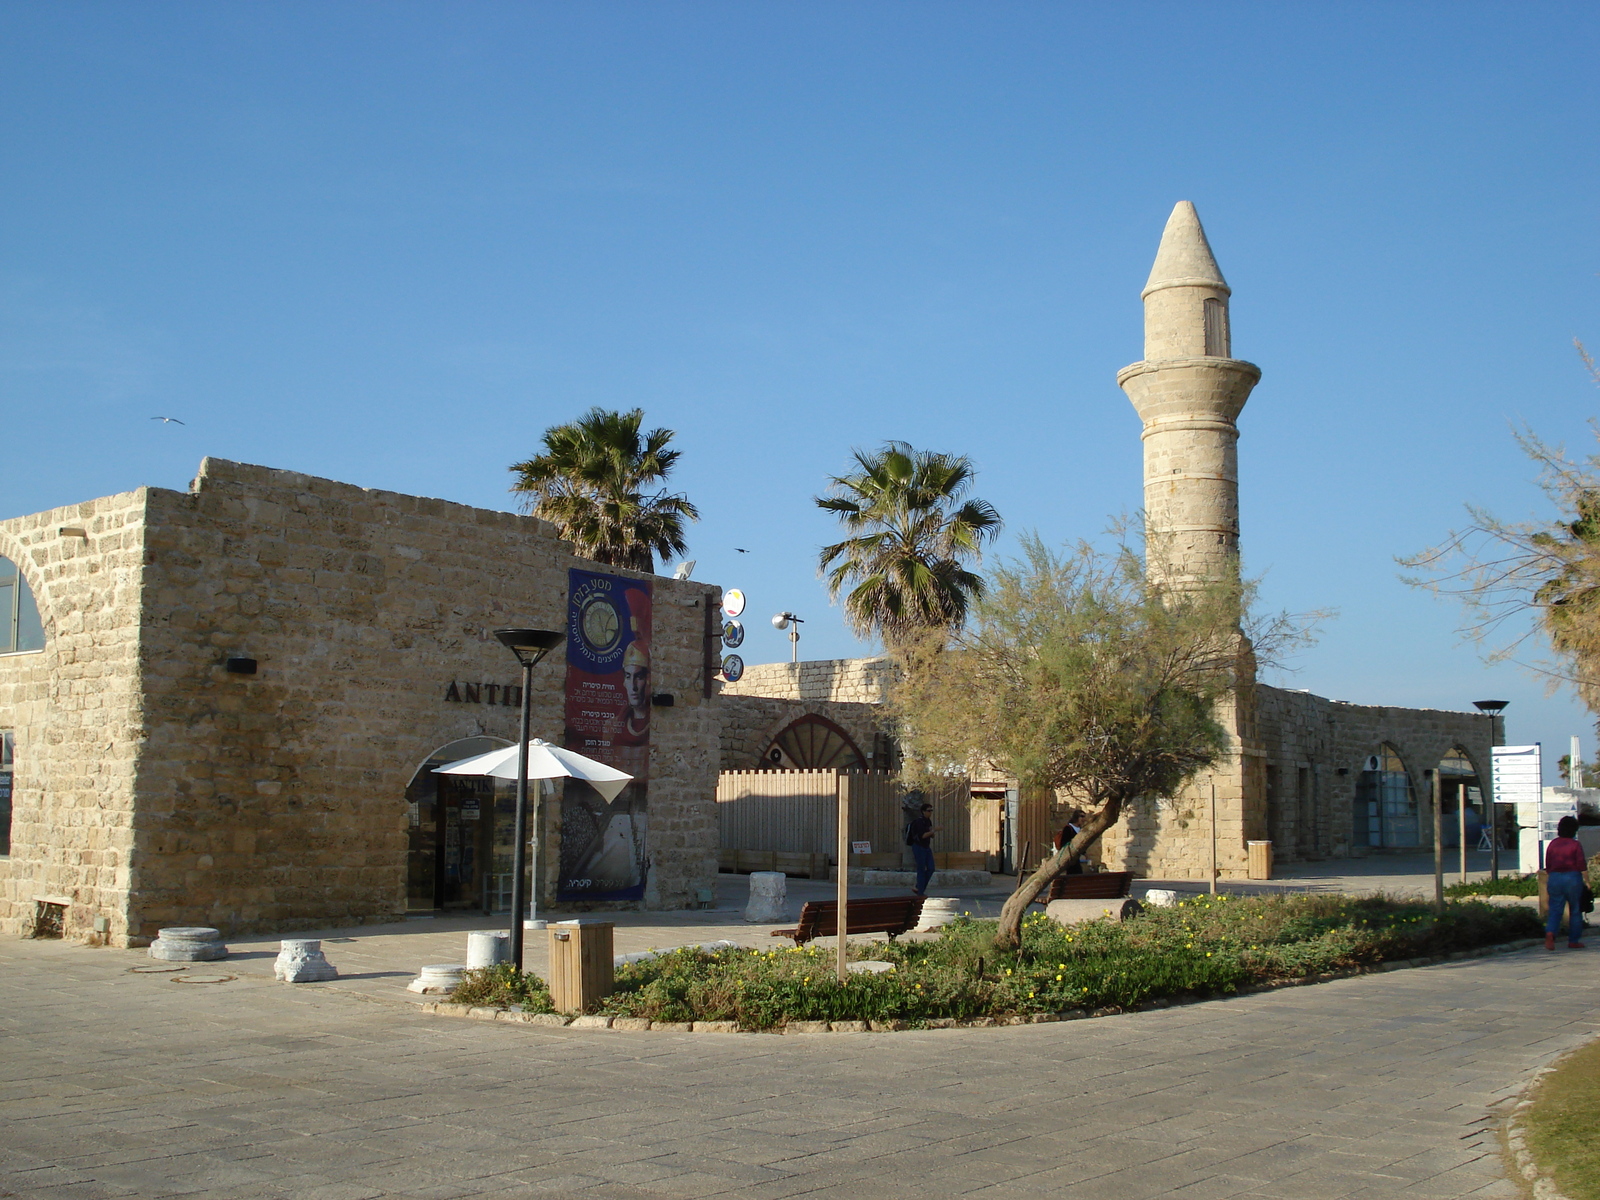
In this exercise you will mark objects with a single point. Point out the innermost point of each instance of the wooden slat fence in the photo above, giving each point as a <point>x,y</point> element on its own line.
<point>797,811</point>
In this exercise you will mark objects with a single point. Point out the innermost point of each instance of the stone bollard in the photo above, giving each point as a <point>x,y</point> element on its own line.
<point>301,961</point>
<point>769,892</point>
<point>1161,898</point>
<point>488,948</point>
<point>937,912</point>
<point>1075,912</point>
<point>441,977</point>
<point>188,943</point>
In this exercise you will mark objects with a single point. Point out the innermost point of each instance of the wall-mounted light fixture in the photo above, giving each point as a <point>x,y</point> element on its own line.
<point>662,700</point>
<point>239,665</point>
<point>77,531</point>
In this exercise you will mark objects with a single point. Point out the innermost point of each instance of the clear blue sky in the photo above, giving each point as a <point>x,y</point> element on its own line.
<point>392,243</point>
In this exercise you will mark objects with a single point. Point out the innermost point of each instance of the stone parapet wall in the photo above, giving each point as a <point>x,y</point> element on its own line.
<point>847,680</point>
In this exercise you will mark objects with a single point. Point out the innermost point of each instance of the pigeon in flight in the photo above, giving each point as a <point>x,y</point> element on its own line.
<point>741,550</point>
<point>170,420</point>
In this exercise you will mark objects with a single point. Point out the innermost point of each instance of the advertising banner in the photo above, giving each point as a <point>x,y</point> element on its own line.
<point>603,854</point>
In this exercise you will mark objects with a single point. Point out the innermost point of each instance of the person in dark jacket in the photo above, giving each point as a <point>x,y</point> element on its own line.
<point>1064,839</point>
<point>920,838</point>
<point>1564,867</point>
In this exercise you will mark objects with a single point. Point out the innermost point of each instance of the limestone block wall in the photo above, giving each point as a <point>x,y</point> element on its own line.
<point>851,680</point>
<point>1282,783</point>
<point>750,723</point>
<point>76,712</point>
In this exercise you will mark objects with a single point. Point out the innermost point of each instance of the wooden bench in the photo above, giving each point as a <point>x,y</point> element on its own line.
<point>1101,885</point>
<point>893,915</point>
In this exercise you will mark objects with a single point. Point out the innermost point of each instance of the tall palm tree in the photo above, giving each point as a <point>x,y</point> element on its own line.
<point>590,483</point>
<point>911,533</point>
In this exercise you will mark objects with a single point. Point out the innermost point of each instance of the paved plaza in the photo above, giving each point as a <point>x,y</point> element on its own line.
<point>125,1083</point>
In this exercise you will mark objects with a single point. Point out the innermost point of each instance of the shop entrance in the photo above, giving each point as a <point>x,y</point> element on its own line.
<point>461,830</point>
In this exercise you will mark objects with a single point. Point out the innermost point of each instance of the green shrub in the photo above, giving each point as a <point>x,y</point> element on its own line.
<point>1506,885</point>
<point>1205,946</point>
<point>503,987</point>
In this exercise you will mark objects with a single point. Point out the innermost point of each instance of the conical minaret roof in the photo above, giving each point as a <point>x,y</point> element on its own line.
<point>1184,259</point>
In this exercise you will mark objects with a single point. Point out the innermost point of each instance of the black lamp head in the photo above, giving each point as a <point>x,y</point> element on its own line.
<point>530,645</point>
<point>1490,706</point>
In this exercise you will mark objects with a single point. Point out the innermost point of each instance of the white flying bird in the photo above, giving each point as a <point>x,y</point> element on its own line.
<point>169,420</point>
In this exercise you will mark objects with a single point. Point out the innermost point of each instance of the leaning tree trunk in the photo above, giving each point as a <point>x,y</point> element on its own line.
<point>1009,935</point>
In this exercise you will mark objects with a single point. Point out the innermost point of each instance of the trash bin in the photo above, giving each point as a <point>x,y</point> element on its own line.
<point>581,972</point>
<point>1260,865</point>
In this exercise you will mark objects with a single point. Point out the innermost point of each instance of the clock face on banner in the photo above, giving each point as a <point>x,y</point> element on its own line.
<point>732,668</point>
<point>732,603</point>
<point>600,624</point>
<point>733,635</point>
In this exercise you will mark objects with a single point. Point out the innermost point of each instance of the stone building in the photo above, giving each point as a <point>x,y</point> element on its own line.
<point>219,708</point>
<point>1318,778</point>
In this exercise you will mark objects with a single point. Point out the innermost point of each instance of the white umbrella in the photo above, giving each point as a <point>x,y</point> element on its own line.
<point>544,762</point>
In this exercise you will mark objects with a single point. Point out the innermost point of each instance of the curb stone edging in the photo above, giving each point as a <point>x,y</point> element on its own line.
<point>444,1008</point>
<point>1544,1186</point>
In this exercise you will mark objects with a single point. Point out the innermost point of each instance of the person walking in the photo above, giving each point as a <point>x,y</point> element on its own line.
<point>920,838</point>
<point>1564,867</point>
<point>1064,839</point>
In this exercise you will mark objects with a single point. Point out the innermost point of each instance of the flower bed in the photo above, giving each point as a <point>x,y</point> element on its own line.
<point>1206,946</point>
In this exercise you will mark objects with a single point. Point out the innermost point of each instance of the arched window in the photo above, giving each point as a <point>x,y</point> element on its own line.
<point>813,743</point>
<point>1216,328</point>
<point>1385,804</point>
<point>20,626</point>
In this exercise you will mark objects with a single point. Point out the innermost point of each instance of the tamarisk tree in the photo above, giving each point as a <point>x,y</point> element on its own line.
<point>1078,673</point>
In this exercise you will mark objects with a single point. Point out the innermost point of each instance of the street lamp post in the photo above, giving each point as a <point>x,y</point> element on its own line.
<point>787,620</point>
<point>1491,709</point>
<point>529,645</point>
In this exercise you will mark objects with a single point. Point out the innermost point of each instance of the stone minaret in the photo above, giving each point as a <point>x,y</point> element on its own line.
<point>1188,391</point>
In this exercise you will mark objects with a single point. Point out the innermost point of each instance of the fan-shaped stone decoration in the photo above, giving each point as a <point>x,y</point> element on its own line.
<point>441,977</point>
<point>769,892</point>
<point>301,961</point>
<point>938,911</point>
<point>188,943</point>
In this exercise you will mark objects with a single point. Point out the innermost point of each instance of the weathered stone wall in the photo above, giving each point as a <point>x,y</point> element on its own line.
<point>276,800</point>
<point>1283,783</point>
<point>75,710</point>
<point>750,723</point>
<point>851,680</point>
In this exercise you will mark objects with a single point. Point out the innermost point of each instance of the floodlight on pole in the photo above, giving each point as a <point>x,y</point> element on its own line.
<point>529,645</point>
<point>1492,709</point>
<point>787,620</point>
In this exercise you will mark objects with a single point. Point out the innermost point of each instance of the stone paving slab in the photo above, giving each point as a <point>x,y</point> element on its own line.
<point>1389,1085</point>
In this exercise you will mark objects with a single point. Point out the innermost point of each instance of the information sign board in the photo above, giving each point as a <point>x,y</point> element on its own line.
<point>1518,774</point>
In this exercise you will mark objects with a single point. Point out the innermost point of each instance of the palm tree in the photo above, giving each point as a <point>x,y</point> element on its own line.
<point>590,483</point>
<point>911,534</point>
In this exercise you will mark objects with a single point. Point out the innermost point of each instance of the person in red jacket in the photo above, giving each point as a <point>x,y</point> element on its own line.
<point>1564,867</point>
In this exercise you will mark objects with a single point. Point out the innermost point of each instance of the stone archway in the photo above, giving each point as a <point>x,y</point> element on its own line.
<point>456,832</point>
